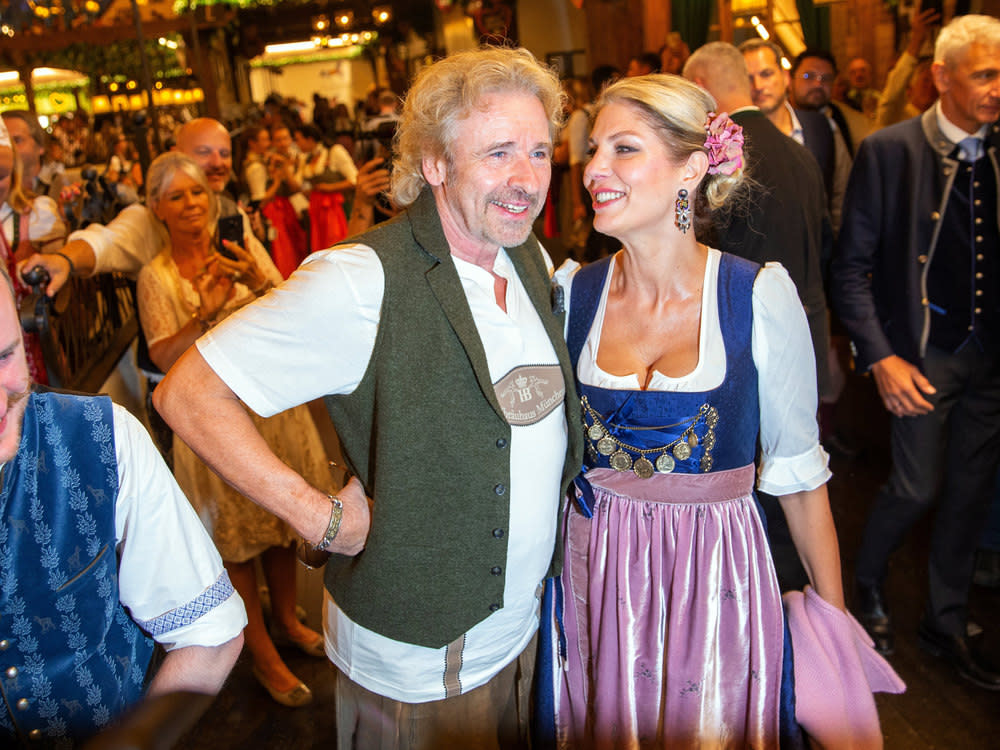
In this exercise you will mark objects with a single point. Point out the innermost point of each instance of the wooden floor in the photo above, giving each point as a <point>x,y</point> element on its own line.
<point>937,711</point>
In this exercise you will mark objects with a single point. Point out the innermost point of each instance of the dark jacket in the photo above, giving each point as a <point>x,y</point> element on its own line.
<point>786,217</point>
<point>819,141</point>
<point>893,211</point>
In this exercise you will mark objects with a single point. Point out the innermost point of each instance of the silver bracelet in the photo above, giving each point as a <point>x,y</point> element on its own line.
<point>332,528</point>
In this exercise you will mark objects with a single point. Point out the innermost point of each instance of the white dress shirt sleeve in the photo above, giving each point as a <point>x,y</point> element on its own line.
<point>792,459</point>
<point>310,337</point>
<point>339,160</point>
<point>125,245</point>
<point>170,575</point>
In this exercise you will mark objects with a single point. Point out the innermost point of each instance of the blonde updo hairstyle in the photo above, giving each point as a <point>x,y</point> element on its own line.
<point>446,92</point>
<point>677,111</point>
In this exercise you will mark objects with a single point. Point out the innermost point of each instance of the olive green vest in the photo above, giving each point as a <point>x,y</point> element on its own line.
<point>427,438</point>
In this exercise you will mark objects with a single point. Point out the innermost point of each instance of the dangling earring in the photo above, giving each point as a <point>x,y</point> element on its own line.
<point>682,211</point>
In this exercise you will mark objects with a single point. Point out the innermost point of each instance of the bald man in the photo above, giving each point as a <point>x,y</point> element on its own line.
<point>131,240</point>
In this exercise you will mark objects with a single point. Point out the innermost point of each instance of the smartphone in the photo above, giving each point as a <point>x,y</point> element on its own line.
<point>229,228</point>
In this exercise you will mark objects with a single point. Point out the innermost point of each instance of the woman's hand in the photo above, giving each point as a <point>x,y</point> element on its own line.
<point>214,287</point>
<point>244,268</point>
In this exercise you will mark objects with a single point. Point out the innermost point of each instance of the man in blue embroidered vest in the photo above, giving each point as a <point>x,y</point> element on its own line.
<point>916,281</point>
<point>99,552</point>
<point>438,344</point>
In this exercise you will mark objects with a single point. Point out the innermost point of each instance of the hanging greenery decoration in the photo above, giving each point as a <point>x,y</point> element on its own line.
<point>123,58</point>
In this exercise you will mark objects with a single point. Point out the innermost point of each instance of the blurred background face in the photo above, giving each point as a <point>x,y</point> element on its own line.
<point>859,72</point>
<point>282,140</point>
<point>305,143</point>
<point>768,80</point>
<point>812,84</point>
<point>262,142</point>
<point>637,68</point>
<point>29,151</point>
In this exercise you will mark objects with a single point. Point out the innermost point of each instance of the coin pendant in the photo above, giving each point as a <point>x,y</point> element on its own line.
<point>682,451</point>
<point>606,446</point>
<point>693,439</point>
<point>620,461</point>
<point>596,431</point>
<point>643,468</point>
<point>665,463</point>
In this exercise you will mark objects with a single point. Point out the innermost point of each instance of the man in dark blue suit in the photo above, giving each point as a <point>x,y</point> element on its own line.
<point>916,281</point>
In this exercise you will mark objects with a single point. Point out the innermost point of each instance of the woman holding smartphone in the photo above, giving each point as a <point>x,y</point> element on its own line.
<point>188,288</point>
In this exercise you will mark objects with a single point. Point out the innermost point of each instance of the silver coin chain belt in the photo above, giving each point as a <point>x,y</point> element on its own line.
<point>620,454</point>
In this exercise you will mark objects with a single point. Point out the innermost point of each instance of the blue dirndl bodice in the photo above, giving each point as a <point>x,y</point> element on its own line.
<point>656,431</point>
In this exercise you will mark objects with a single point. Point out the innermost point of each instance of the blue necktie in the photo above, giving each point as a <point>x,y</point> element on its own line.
<point>972,148</point>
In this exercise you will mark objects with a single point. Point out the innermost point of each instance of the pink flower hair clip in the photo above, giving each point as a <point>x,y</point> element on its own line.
<point>724,144</point>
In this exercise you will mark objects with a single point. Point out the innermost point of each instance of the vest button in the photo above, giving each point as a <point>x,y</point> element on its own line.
<point>935,215</point>
<point>499,489</point>
<point>502,443</point>
<point>979,292</point>
<point>4,644</point>
<point>977,202</point>
<point>497,534</point>
<point>924,302</point>
<point>496,570</point>
<point>979,256</point>
<point>35,734</point>
<point>22,705</point>
<point>494,607</point>
<point>975,183</point>
<point>921,258</point>
<point>947,171</point>
<point>979,274</point>
<point>979,311</point>
<point>979,219</point>
<point>11,673</point>
<point>979,238</point>
<point>972,328</point>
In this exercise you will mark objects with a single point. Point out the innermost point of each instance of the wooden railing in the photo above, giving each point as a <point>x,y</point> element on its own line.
<point>91,324</point>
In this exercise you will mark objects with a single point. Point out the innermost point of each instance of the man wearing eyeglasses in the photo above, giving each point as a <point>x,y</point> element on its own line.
<point>812,76</point>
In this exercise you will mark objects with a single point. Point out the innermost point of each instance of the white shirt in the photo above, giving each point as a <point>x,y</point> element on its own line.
<point>133,239</point>
<point>44,222</point>
<point>792,458</point>
<point>324,319</point>
<point>169,572</point>
<point>166,559</point>
<point>336,159</point>
<point>797,134</point>
<point>953,132</point>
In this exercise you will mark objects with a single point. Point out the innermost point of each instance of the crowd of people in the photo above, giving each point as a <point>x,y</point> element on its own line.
<point>586,506</point>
